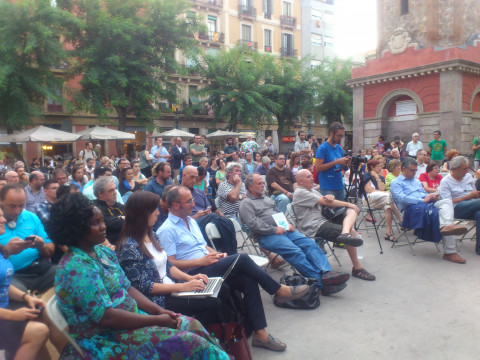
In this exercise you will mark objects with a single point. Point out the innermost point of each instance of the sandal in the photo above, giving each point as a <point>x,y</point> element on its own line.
<point>389,238</point>
<point>369,218</point>
<point>363,274</point>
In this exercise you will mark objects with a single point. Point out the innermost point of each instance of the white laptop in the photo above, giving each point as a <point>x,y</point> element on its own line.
<point>213,287</point>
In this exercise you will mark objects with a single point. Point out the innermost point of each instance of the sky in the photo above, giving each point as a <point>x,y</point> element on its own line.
<point>355,26</point>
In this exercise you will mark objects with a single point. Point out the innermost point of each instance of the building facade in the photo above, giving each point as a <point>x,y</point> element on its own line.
<point>426,75</point>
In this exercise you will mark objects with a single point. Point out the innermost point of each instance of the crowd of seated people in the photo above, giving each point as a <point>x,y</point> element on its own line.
<point>119,239</point>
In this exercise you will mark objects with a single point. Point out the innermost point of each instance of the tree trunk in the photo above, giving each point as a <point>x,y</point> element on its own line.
<point>281,128</point>
<point>122,123</point>
<point>15,150</point>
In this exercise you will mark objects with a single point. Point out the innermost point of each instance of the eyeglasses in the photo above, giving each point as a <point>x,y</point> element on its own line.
<point>187,202</point>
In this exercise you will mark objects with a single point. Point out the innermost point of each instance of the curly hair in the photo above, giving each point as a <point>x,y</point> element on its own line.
<point>69,219</point>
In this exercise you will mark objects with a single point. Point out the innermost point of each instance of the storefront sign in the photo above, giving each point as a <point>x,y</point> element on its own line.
<point>288,138</point>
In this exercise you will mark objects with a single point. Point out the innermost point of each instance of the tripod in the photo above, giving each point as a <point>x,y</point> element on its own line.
<point>356,183</point>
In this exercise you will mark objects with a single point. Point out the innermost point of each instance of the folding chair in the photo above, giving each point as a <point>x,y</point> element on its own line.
<point>319,240</point>
<point>60,323</point>
<point>404,233</point>
<point>213,233</point>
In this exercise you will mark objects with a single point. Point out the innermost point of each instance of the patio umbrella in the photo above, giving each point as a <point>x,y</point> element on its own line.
<point>222,134</point>
<point>103,133</point>
<point>40,134</point>
<point>174,133</point>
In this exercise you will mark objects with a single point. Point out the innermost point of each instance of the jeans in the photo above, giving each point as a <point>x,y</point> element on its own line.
<point>470,209</point>
<point>300,251</point>
<point>281,201</point>
<point>339,194</point>
<point>476,164</point>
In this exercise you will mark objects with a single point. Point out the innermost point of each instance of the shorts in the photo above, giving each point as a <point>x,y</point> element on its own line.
<point>379,200</point>
<point>11,332</point>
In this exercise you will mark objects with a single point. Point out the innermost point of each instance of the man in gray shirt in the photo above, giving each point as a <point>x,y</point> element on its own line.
<point>460,188</point>
<point>257,211</point>
<point>302,147</point>
<point>308,205</point>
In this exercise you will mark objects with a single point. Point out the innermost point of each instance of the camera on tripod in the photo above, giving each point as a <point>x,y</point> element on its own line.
<point>357,159</point>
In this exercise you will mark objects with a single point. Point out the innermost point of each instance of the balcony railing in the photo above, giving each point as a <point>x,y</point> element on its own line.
<point>209,3</point>
<point>267,16</point>
<point>288,21</point>
<point>212,36</point>
<point>247,11</point>
<point>250,45</point>
<point>288,52</point>
<point>53,108</point>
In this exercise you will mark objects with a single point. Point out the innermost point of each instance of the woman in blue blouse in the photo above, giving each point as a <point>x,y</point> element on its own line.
<point>108,318</point>
<point>146,266</point>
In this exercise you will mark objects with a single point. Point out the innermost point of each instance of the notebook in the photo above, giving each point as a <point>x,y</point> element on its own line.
<point>213,287</point>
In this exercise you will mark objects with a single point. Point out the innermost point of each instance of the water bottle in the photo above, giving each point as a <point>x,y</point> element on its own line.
<point>359,248</point>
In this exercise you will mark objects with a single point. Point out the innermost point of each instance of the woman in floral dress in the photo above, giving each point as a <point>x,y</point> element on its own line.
<point>108,318</point>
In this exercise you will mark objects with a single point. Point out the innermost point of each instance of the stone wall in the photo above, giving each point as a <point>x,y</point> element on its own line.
<point>429,22</point>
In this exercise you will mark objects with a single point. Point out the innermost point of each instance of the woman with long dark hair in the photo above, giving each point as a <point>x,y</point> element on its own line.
<point>126,182</point>
<point>77,177</point>
<point>146,265</point>
<point>107,317</point>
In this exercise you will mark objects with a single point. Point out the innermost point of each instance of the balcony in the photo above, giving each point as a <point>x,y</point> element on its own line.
<point>288,21</point>
<point>267,48</point>
<point>250,45</point>
<point>212,37</point>
<point>213,5</point>
<point>247,12</point>
<point>267,16</point>
<point>288,52</point>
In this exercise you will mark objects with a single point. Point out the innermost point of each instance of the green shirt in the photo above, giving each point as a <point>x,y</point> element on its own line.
<point>199,147</point>
<point>437,149</point>
<point>477,152</point>
<point>390,177</point>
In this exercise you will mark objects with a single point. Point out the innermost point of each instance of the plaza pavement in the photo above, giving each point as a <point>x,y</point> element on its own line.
<point>420,307</point>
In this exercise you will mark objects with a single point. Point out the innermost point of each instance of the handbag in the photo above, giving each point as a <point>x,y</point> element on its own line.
<point>311,300</point>
<point>233,339</point>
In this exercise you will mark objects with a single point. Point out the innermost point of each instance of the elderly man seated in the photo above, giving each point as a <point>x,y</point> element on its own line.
<point>308,205</point>
<point>459,187</point>
<point>408,191</point>
<point>186,249</point>
<point>113,211</point>
<point>257,211</point>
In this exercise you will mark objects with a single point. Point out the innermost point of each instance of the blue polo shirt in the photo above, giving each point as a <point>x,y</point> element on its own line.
<point>27,224</point>
<point>154,187</point>
<point>331,179</point>
<point>178,240</point>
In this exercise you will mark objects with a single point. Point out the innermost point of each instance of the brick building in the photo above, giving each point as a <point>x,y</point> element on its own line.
<point>426,74</point>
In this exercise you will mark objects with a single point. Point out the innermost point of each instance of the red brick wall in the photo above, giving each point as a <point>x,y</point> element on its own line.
<point>413,58</point>
<point>469,83</point>
<point>426,87</point>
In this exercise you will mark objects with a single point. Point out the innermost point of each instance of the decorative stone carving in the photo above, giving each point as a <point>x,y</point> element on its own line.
<point>399,41</point>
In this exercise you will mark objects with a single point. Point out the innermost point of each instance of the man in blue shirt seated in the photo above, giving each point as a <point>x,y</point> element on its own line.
<point>407,191</point>
<point>162,172</point>
<point>186,249</point>
<point>29,256</point>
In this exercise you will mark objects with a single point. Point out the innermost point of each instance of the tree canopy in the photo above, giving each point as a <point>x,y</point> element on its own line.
<point>125,51</point>
<point>29,36</point>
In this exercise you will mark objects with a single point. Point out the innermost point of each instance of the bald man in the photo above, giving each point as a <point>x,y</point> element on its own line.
<point>34,190</point>
<point>308,205</point>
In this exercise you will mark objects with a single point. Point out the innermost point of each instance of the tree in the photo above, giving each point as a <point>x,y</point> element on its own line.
<point>29,48</point>
<point>237,87</point>
<point>293,91</point>
<point>334,97</point>
<point>125,53</point>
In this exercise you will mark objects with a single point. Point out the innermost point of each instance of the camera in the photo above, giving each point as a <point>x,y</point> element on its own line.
<point>357,160</point>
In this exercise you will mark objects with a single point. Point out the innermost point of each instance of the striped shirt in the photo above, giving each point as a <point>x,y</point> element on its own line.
<point>228,208</point>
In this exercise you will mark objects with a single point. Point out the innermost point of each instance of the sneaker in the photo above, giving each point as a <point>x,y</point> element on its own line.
<point>334,278</point>
<point>297,292</point>
<point>271,343</point>
<point>348,239</point>
<point>333,289</point>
